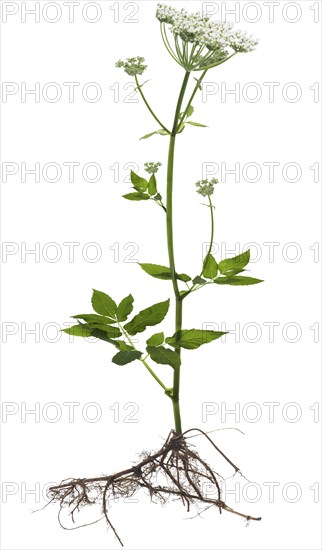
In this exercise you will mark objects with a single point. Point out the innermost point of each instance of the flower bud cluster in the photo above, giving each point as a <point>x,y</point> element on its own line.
<point>132,65</point>
<point>206,187</point>
<point>152,167</point>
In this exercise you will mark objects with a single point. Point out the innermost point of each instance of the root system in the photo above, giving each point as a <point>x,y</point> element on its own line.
<point>176,471</point>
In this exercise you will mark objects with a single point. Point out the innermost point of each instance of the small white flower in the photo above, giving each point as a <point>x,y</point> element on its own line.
<point>206,187</point>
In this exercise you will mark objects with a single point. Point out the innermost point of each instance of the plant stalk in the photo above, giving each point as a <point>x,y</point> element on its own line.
<point>139,88</point>
<point>178,318</point>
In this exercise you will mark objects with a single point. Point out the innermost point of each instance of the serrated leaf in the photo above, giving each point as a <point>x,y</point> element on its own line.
<point>148,135</point>
<point>237,281</point>
<point>156,340</point>
<point>233,272</point>
<point>164,356</point>
<point>148,317</point>
<point>125,357</point>
<point>199,281</point>
<point>197,124</point>
<point>78,330</point>
<point>152,188</point>
<point>136,196</point>
<point>112,332</point>
<point>210,267</point>
<point>237,262</point>
<point>162,272</point>
<point>92,318</point>
<point>125,308</point>
<point>103,304</point>
<point>193,338</point>
<point>140,184</point>
<point>102,335</point>
<point>123,346</point>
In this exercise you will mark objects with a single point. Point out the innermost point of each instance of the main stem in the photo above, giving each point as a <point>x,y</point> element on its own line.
<point>178,318</point>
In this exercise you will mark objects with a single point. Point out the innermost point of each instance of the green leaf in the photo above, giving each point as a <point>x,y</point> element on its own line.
<point>162,272</point>
<point>210,267</point>
<point>124,357</point>
<point>125,308</point>
<point>136,197</point>
<point>233,272</point>
<point>152,188</point>
<point>148,135</point>
<point>157,197</point>
<point>237,281</point>
<point>147,318</point>
<point>163,133</point>
<point>197,124</point>
<point>193,338</point>
<point>181,128</point>
<point>78,330</point>
<point>238,262</point>
<point>92,318</point>
<point>156,340</point>
<point>123,346</point>
<point>199,281</point>
<point>190,110</point>
<point>140,184</point>
<point>102,335</point>
<point>164,356</point>
<point>103,304</point>
<point>112,332</point>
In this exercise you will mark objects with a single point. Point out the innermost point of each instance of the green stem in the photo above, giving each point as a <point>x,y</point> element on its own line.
<point>148,106</point>
<point>192,97</point>
<point>125,334</point>
<point>212,232</point>
<point>196,286</point>
<point>178,318</point>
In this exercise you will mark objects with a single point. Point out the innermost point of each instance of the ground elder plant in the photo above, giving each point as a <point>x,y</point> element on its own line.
<point>176,471</point>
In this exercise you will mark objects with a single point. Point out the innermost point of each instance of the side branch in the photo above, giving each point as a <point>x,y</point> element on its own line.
<point>148,106</point>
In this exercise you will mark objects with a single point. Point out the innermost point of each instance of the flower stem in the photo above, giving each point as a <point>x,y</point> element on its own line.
<point>192,97</point>
<point>178,318</point>
<point>212,232</point>
<point>148,106</point>
<point>196,286</point>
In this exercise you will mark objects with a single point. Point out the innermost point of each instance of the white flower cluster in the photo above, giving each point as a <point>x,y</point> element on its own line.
<point>152,167</point>
<point>242,42</point>
<point>132,65</point>
<point>206,187</point>
<point>166,14</point>
<point>199,31</point>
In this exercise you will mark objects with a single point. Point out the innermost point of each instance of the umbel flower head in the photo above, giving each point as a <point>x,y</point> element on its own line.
<point>132,65</point>
<point>206,187</point>
<point>200,43</point>
<point>152,167</point>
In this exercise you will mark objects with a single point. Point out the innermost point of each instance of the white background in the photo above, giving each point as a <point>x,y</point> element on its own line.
<point>40,293</point>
